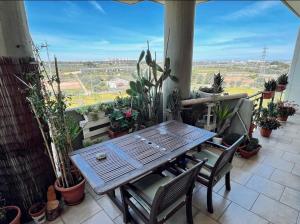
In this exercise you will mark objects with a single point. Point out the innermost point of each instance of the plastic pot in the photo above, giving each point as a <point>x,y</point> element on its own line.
<point>282,118</point>
<point>72,195</point>
<point>265,132</point>
<point>268,94</point>
<point>280,88</point>
<point>17,218</point>
<point>38,213</point>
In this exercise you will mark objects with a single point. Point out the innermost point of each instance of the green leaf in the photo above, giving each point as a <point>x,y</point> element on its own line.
<point>132,85</point>
<point>167,63</point>
<point>148,58</point>
<point>147,83</point>
<point>158,68</point>
<point>139,87</point>
<point>141,56</point>
<point>130,92</point>
<point>174,78</point>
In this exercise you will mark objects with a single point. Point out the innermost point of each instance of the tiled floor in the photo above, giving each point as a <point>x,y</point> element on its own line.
<point>265,189</point>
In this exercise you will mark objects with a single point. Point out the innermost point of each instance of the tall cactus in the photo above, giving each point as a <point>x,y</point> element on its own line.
<point>147,89</point>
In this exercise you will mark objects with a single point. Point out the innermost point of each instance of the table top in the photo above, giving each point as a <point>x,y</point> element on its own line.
<point>133,155</point>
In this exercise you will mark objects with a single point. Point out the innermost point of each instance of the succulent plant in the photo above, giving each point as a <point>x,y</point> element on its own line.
<point>270,85</point>
<point>218,82</point>
<point>282,79</point>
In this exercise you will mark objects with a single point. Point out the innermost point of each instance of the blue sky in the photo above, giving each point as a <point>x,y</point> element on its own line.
<point>224,30</point>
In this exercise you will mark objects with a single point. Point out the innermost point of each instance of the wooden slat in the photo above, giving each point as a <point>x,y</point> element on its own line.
<point>134,155</point>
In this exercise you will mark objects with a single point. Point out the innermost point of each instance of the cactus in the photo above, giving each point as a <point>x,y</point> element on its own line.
<point>146,90</point>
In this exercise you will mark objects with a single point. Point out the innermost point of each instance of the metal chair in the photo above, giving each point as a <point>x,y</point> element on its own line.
<point>216,167</point>
<point>156,197</point>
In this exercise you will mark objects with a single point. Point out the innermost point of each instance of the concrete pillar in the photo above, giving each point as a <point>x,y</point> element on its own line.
<point>293,91</point>
<point>179,22</point>
<point>15,39</point>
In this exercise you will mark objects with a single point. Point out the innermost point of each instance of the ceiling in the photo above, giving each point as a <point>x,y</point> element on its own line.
<point>293,5</point>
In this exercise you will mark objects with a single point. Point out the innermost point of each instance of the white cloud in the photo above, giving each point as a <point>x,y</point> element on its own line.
<point>97,6</point>
<point>251,10</point>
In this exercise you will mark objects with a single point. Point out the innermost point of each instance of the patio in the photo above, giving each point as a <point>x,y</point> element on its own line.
<point>265,189</point>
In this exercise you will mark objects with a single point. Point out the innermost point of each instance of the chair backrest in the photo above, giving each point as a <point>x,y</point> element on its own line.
<point>178,187</point>
<point>227,156</point>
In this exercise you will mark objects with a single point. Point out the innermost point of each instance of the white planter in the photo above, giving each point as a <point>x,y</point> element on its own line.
<point>217,140</point>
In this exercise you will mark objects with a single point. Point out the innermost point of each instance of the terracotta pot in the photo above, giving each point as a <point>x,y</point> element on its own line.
<point>265,132</point>
<point>17,219</point>
<point>268,94</point>
<point>282,118</point>
<point>280,88</point>
<point>38,212</point>
<point>72,195</point>
<point>115,134</point>
<point>247,154</point>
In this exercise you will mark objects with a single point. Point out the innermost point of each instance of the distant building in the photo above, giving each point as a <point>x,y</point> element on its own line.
<point>118,83</point>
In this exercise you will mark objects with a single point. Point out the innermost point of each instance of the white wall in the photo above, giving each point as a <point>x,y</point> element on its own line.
<point>15,39</point>
<point>293,88</point>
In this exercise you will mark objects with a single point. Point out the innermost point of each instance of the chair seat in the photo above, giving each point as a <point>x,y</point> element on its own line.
<point>205,154</point>
<point>144,190</point>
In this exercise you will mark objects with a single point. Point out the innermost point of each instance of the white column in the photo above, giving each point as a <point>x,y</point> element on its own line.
<point>14,34</point>
<point>179,21</point>
<point>293,91</point>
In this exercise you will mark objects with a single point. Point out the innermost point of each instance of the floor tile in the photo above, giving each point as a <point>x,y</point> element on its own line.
<point>274,211</point>
<point>100,217</point>
<point>235,214</point>
<point>291,197</point>
<point>56,221</point>
<point>203,219</point>
<point>180,216</point>
<point>238,162</point>
<point>219,203</point>
<point>119,220</point>
<point>291,157</point>
<point>296,170</point>
<point>109,207</point>
<point>262,170</point>
<point>219,185</point>
<point>240,176</point>
<point>267,187</point>
<point>291,147</point>
<point>240,194</point>
<point>79,213</point>
<point>92,192</point>
<point>279,163</point>
<point>286,179</point>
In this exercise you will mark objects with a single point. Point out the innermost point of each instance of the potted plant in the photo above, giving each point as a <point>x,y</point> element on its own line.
<point>282,81</point>
<point>267,125</point>
<point>49,107</point>
<point>38,212</point>
<point>270,87</point>
<point>95,112</point>
<point>216,87</point>
<point>121,122</point>
<point>222,113</point>
<point>284,110</point>
<point>146,90</point>
<point>231,138</point>
<point>9,214</point>
<point>252,147</point>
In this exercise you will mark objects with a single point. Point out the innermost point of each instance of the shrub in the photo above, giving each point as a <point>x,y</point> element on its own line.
<point>269,123</point>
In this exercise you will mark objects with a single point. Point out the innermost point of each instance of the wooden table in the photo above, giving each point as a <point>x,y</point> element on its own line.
<point>136,154</point>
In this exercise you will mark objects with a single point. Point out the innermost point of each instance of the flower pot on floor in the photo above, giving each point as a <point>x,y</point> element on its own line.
<point>13,214</point>
<point>268,94</point>
<point>72,195</point>
<point>282,118</point>
<point>247,154</point>
<point>280,88</point>
<point>217,140</point>
<point>115,134</point>
<point>265,132</point>
<point>38,213</point>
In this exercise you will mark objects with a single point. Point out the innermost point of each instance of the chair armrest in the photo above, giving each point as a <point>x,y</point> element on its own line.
<point>218,146</point>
